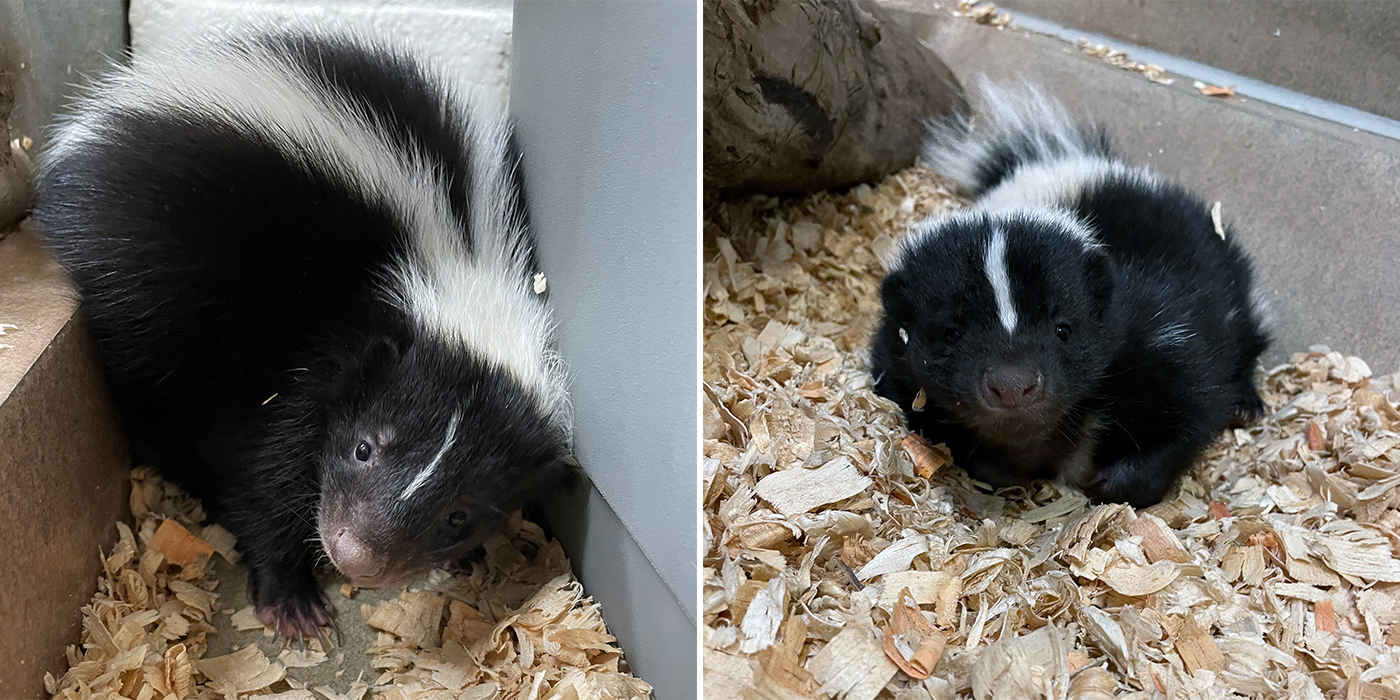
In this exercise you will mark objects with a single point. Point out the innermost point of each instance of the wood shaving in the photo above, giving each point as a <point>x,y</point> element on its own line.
<point>1120,59</point>
<point>1269,573</point>
<point>985,13</point>
<point>177,544</point>
<point>517,626</point>
<point>1215,220</point>
<point>1213,90</point>
<point>911,642</point>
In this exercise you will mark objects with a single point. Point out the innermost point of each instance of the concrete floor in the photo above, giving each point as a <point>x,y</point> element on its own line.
<point>1316,203</point>
<point>1345,52</point>
<point>345,663</point>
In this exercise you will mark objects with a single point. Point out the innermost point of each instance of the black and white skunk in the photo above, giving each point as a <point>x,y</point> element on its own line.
<point>1083,320</point>
<point>306,266</point>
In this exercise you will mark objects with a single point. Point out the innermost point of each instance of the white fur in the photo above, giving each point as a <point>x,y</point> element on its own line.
<point>956,149</point>
<point>1260,309</point>
<point>1059,162</point>
<point>1057,183</point>
<point>1172,334</point>
<point>447,442</point>
<point>994,264</point>
<point>481,299</point>
<point>1054,219</point>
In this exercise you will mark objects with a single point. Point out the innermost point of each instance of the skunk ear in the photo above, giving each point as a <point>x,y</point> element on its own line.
<point>378,356</point>
<point>1098,277</point>
<point>366,366</point>
<point>894,296</point>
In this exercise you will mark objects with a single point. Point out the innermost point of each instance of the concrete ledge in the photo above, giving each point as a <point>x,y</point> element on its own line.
<point>62,462</point>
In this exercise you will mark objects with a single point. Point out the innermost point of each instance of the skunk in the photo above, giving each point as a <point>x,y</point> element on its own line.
<point>1083,320</point>
<point>306,267</point>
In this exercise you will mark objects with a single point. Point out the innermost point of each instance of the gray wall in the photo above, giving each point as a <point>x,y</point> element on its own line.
<point>47,48</point>
<point>604,98</point>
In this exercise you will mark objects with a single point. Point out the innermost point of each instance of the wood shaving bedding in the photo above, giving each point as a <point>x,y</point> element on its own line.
<point>1272,572</point>
<point>517,626</point>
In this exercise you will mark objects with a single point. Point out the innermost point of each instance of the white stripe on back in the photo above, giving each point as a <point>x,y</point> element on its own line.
<point>995,267</point>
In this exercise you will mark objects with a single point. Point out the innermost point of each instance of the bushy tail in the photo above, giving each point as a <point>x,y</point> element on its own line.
<point>1020,125</point>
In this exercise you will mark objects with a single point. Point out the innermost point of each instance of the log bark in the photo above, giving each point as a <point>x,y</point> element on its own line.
<point>805,95</point>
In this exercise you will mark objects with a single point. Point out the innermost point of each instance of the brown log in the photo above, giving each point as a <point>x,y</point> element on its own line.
<point>814,94</point>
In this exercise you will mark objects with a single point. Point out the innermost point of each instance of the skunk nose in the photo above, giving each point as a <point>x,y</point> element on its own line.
<point>353,557</point>
<point>1013,387</point>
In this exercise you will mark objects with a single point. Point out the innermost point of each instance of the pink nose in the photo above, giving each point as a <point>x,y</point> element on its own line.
<point>353,557</point>
<point>1014,387</point>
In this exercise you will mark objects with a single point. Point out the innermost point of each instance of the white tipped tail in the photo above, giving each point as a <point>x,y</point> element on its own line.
<point>1019,125</point>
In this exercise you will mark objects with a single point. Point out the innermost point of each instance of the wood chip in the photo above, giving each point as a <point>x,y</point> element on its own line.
<point>177,670</point>
<point>910,641</point>
<point>1325,618</point>
<point>1093,683</point>
<point>1135,580</point>
<point>1214,90</point>
<point>779,675</point>
<point>244,670</point>
<point>247,619</point>
<point>894,558</point>
<point>1197,648</point>
<point>1158,540</point>
<point>1022,667</point>
<point>852,666</point>
<point>799,490</point>
<point>177,544</point>
<point>414,616</point>
<point>927,458</point>
<point>764,617</point>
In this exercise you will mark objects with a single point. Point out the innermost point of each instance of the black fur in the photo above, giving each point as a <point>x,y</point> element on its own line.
<point>1145,343</point>
<point>392,88</point>
<point>236,299</point>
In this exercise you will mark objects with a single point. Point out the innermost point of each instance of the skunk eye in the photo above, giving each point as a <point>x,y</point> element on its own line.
<point>362,451</point>
<point>1062,332</point>
<point>458,518</point>
<point>952,335</point>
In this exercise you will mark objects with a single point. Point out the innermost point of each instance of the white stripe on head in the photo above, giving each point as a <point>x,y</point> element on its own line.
<point>1055,219</point>
<point>995,266</point>
<point>447,442</point>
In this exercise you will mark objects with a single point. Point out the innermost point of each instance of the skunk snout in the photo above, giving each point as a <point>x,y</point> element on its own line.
<point>1013,387</point>
<point>353,557</point>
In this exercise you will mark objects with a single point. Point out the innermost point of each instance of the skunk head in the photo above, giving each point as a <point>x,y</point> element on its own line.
<point>1005,319</point>
<point>428,450</point>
